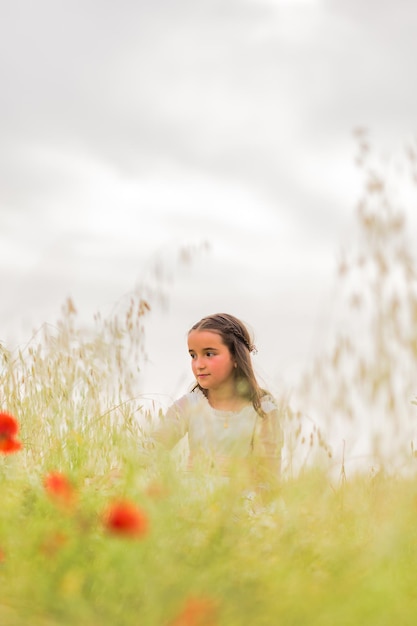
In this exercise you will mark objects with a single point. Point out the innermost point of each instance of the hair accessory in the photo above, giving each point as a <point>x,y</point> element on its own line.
<point>239,335</point>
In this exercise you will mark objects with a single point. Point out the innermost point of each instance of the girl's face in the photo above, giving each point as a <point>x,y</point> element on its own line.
<point>211,360</point>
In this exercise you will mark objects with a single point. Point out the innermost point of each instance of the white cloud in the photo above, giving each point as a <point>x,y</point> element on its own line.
<point>130,129</point>
<point>276,4</point>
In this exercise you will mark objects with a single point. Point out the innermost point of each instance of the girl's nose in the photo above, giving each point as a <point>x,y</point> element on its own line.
<point>199,363</point>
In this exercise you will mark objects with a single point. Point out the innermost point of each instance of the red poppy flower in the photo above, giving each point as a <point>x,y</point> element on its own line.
<point>59,488</point>
<point>125,518</point>
<point>197,611</point>
<point>9,428</point>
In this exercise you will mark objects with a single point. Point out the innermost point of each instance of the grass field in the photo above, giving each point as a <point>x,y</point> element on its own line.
<point>178,552</point>
<point>90,535</point>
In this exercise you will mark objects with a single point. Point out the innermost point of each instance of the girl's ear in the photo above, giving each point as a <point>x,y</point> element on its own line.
<point>235,364</point>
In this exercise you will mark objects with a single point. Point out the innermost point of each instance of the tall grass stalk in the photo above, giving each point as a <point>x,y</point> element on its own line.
<point>360,388</point>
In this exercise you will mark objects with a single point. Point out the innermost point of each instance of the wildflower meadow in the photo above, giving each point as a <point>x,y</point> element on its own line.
<point>93,532</point>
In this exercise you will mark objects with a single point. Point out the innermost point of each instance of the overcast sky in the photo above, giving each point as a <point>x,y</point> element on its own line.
<point>131,129</point>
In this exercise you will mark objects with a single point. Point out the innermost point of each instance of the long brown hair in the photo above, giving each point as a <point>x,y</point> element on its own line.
<point>236,337</point>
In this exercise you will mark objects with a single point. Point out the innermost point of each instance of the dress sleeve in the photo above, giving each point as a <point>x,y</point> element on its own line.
<point>173,425</point>
<point>269,437</point>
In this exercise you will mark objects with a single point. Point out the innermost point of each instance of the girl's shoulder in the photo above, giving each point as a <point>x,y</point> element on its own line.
<point>189,400</point>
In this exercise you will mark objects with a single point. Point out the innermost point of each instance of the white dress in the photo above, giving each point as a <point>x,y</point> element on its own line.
<point>219,434</point>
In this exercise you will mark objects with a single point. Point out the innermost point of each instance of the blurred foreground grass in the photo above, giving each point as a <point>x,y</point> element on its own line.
<point>314,549</point>
<point>312,553</point>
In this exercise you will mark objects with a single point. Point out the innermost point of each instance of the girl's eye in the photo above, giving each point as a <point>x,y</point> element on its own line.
<point>209,353</point>
<point>192,356</point>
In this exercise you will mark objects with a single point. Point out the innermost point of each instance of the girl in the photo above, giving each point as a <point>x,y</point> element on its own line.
<point>228,417</point>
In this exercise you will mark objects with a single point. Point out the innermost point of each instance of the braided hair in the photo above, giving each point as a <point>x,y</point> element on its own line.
<point>236,337</point>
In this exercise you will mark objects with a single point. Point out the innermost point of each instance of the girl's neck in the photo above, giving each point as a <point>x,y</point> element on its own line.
<point>226,400</point>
